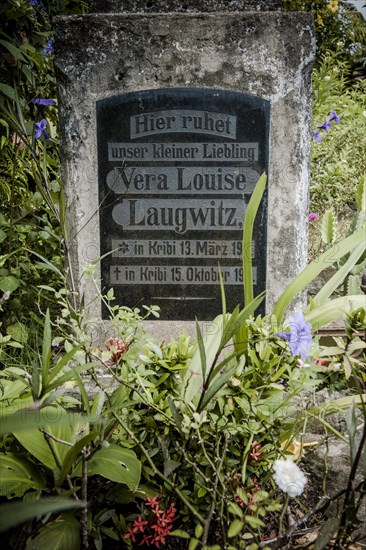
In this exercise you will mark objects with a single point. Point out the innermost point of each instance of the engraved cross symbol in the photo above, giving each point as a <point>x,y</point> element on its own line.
<point>117,272</point>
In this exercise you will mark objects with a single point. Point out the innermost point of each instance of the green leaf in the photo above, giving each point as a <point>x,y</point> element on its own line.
<point>339,308</point>
<point>70,375</point>
<point>17,476</point>
<point>9,283</point>
<point>14,513</point>
<point>175,413</point>
<point>97,407</point>
<point>15,52</point>
<point>45,261</point>
<point>193,544</point>
<point>239,339</point>
<point>115,463</point>
<point>7,90</point>
<point>216,385</point>
<point>314,268</point>
<point>46,348</point>
<point>254,522</point>
<point>250,215</point>
<point>25,420</point>
<point>338,278</point>
<point>193,379</point>
<point>360,194</point>
<point>202,352</point>
<point>198,531</point>
<point>328,227</point>
<point>235,527</point>
<point>353,284</point>
<point>34,441</point>
<point>73,453</point>
<point>62,362</point>
<point>235,509</point>
<point>181,534</point>
<point>60,534</point>
<point>18,332</point>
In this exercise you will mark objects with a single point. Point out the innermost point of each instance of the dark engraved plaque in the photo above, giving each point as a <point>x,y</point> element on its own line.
<point>177,168</point>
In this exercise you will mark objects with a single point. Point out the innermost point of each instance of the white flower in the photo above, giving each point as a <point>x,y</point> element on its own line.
<point>289,477</point>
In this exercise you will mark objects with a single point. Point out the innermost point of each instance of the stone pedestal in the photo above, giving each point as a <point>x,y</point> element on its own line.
<point>268,54</point>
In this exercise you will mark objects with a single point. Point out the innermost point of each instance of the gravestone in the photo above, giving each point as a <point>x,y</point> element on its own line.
<point>169,114</point>
<point>176,170</point>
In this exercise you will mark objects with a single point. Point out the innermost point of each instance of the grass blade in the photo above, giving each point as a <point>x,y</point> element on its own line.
<point>250,215</point>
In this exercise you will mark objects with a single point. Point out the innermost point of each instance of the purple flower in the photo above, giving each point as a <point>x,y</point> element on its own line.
<point>299,336</point>
<point>335,117</point>
<point>326,125</point>
<point>313,216</point>
<point>317,136</point>
<point>36,3</point>
<point>43,102</point>
<point>48,49</point>
<point>39,129</point>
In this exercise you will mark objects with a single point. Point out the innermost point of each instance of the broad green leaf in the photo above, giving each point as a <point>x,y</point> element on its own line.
<point>34,441</point>
<point>328,227</point>
<point>61,534</point>
<point>9,283</point>
<point>19,332</point>
<point>17,476</point>
<point>15,513</point>
<point>235,527</point>
<point>338,308</point>
<point>338,278</point>
<point>250,214</point>
<point>115,463</point>
<point>28,419</point>
<point>310,272</point>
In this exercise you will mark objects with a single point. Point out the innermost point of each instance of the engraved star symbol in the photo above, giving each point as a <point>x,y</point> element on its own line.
<point>124,247</point>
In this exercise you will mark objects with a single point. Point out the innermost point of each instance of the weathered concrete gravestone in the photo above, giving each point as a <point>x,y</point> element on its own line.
<point>168,118</point>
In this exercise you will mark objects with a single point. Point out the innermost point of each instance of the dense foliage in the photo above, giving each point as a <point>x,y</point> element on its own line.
<point>338,26</point>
